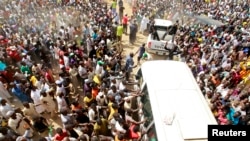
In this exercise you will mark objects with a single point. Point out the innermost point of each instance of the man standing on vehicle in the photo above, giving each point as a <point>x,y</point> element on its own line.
<point>172,31</point>
<point>173,51</point>
<point>153,31</point>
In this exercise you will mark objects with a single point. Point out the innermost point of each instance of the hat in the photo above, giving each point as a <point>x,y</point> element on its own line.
<point>71,54</point>
<point>13,48</point>
<point>58,82</point>
<point>9,113</point>
<point>100,63</point>
<point>101,94</point>
<point>88,81</point>
<point>23,54</point>
<point>69,45</point>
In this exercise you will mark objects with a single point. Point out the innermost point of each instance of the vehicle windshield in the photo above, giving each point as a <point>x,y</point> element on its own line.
<point>163,32</point>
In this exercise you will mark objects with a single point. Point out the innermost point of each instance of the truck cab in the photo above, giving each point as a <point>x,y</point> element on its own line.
<point>162,28</point>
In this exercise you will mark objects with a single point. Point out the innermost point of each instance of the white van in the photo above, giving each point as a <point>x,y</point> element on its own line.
<point>157,46</point>
<point>173,104</point>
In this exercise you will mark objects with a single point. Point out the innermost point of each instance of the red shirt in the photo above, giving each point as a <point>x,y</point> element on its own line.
<point>125,20</point>
<point>60,137</point>
<point>132,134</point>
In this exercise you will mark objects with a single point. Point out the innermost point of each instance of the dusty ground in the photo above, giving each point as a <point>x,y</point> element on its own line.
<point>128,48</point>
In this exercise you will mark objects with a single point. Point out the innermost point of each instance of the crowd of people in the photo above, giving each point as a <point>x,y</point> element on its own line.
<point>61,62</point>
<point>51,50</point>
<point>219,59</point>
<point>217,55</point>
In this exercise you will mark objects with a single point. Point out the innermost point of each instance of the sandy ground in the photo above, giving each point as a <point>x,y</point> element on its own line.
<point>128,48</point>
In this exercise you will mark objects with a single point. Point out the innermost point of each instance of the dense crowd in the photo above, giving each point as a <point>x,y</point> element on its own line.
<point>63,61</point>
<point>219,59</point>
<point>217,55</point>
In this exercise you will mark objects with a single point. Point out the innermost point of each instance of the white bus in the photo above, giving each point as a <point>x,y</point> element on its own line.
<point>172,102</point>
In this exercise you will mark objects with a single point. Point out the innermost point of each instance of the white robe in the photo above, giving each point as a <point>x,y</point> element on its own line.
<point>144,23</point>
<point>66,61</point>
<point>50,104</point>
<point>35,95</point>
<point>61,103</point>
<point>12,123</point>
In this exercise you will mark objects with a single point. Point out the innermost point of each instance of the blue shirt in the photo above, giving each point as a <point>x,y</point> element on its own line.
<point>94,36</point>
<point>141,51</point>
<point>129,63</point>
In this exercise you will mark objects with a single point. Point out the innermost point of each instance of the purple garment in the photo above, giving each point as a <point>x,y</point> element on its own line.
<point>86,88</point>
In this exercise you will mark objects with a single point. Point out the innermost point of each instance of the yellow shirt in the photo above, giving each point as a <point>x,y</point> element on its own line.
<point>112,112</point>
<point>119,31</point>
<point>33,80</point>
<point>116,138</point>
<point>87,100</point>
<point>101,129</point>
<point>110,105</point>
<point>114,4</point>
<point>97,80</point>
<point>199,39</point>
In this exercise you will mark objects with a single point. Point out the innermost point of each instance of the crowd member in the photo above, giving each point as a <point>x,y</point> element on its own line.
<point>52,51</point>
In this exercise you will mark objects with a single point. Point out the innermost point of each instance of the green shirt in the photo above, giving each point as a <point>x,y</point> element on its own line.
<point>25,69</point>
<point>119,30</point>
<point>114,4</point>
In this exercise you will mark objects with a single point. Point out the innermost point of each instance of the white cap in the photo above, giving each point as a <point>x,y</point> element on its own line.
<point>101,94</point>
<point>23,54</point>
<point>58,82</point>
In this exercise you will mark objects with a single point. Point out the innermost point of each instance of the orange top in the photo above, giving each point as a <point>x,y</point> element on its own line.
<point>95,92</point>
<point>75,108</point>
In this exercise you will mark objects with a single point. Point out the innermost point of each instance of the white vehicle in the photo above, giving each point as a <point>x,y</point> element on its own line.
<point>157,46</point>
<point>173,104</point>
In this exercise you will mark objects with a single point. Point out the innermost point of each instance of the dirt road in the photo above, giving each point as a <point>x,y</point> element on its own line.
<point>140,38</point>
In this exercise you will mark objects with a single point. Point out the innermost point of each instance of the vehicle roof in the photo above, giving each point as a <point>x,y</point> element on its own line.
<point>162,22</point>
<point>173,91</point>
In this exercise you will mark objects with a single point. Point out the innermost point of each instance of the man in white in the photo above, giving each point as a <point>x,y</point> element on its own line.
<point>66,60</point>
<point>35,95</point>
<point>92,113</point>
<point>5,108</point>
<point>61,102</point>
<point>60,88</point>
<point>99,68</point>
<point>82,71</point>
<point>144,23</point>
